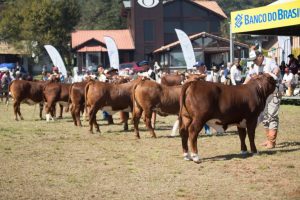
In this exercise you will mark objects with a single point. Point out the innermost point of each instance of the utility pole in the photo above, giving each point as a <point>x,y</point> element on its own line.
<point>231,51</point>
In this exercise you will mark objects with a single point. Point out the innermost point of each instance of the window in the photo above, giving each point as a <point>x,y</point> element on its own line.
<point>92,60</point>
<point>177,60</point>
<point>209,42</point>
<point>199,55</point>
<point>148,30</point>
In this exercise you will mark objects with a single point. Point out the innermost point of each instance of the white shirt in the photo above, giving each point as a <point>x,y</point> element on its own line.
<point>235,75</point>
<point>269,65</point>
<point>288,78</point>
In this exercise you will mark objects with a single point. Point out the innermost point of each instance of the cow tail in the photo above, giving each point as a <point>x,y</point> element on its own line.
<point>9,86</point>
<point>133,95</point>
<point>70,90</point>
<point>86,89</point>
<point>182,99</point>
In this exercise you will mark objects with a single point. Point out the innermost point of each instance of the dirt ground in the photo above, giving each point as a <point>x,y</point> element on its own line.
<point>56,160</point>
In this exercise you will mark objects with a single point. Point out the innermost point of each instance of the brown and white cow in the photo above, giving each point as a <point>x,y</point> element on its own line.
<point>221,106</point>
<point>55,93</point>
<point>108,97</point>
<point>30,92</point>
<point>76,99</point>
<point>149,97</point>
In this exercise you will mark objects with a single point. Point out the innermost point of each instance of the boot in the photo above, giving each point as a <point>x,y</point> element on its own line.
<point>267,134</point>
<point>289,92</point>
<point>272,138</point>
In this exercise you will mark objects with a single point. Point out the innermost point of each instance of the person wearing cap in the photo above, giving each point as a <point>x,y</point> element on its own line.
<point>110,73</point>
<point>200,66</point>
<point>147,70</point>
<point>271,111</point>
<point>236,73</point>
<point>215,74</point>
<point>289,81</point>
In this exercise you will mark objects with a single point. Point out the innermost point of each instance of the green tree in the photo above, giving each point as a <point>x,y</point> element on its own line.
<point>40,23</point>
<point>101,14</point>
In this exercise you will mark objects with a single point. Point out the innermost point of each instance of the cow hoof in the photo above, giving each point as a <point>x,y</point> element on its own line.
<point>255,154</point>
<point>22,118</point>
<point>137,137</point>
<point>244,153</point>
<point>196,158</point>
<point>187,157</point>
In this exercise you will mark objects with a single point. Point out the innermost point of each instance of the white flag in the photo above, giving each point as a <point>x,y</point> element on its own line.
<point>187,48</point>
<point>113,53</point>
<point>56,59</point>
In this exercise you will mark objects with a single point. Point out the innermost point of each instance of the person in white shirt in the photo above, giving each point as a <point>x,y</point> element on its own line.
<point>271,111</point>
<point>288,79</point>
<point>236,73</point>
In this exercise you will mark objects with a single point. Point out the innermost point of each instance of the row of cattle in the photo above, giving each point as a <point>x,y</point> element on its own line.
<point>196,102</point>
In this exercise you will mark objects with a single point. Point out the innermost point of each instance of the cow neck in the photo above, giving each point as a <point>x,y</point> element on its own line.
<point>261,91</point>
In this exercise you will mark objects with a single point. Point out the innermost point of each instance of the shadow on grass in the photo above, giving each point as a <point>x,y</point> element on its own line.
<point>280,148</point>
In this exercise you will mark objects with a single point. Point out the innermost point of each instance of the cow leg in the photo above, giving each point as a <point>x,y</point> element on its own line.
<point>125,120</point>
<point>49,110</point>
<point>153,119</point>
<point>16,106</point>
<point>194,130</point>
<point>175,127</point>
<point>92,119</point>
<point>60,111</point>
<point>242,135</point>
<point>19,112</point>
<point>183,131</point>
<point>251,135</point>
<point>73,114</point>
<point>41,105</point>
<point>148,116</point>
<point>110,119</point>
<point>136,116</point>
<point>77,115</point>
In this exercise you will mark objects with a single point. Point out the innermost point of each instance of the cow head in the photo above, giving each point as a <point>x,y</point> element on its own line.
<point>265,84</point>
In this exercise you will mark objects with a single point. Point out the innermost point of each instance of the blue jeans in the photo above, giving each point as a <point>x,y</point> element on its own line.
<point>105,115</point>
<point>207,129</point>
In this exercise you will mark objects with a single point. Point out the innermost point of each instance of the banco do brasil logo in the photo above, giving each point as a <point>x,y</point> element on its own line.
<point>238,20</point>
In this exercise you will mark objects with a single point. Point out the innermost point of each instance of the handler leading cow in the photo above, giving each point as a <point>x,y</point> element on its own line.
<point>220,106</point>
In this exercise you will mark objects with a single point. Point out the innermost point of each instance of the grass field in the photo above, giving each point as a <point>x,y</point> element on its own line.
<point>56,160</point>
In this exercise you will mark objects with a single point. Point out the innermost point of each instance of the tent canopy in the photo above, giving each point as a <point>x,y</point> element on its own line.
<point>7,65</point>
<point>274,19</point>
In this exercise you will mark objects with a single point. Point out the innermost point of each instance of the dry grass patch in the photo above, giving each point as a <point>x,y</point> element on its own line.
<point>56,160</point>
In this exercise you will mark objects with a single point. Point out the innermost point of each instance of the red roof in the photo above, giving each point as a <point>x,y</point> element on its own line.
<point>122,38</point>
<point>212,6</point>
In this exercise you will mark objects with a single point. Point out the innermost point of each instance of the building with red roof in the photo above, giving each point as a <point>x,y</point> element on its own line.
<point>151,26</point>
